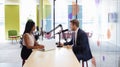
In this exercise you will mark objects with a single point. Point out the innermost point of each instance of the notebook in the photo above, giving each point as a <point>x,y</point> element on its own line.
<point>49,44</point>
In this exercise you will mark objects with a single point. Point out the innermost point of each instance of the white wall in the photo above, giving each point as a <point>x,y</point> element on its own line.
<point>2,25</point>
<point>27,11</point>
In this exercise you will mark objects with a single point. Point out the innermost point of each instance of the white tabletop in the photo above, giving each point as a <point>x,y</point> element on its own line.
<point>60,57</point>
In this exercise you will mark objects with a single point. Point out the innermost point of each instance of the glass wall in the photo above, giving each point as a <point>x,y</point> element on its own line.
<point>47,15</point>
<point>98,18</point>
<point>56,12</point>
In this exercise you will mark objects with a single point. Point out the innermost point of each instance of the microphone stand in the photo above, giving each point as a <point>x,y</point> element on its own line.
<point>59,40</point>
<point>57,33</point>
<point>63,36</point>
<point>58,44</point>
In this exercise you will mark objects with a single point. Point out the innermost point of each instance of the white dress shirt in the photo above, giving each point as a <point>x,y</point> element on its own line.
<point>76,35</point>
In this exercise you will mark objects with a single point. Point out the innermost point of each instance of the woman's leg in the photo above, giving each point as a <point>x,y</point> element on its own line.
<point>23,62</point>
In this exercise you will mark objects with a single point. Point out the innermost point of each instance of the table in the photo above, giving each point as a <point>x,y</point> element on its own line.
<point>60,57</point>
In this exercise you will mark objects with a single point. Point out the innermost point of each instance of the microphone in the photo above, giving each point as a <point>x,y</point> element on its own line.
<point>37,28</point>
<point>62,31</point>
<point>47,32</point>
<point>60,25</point>
<point>65,30</point>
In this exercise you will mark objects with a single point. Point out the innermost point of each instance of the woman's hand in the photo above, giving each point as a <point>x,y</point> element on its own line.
<point>41,47</point>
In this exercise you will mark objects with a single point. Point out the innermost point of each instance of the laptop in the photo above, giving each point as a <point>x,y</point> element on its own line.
<point>49,44</point>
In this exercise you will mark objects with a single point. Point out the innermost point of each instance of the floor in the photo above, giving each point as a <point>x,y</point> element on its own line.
<point>10,54</point>
<point>105,55</point>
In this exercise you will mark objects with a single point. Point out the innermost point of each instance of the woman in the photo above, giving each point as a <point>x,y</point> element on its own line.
<point>29,41</point>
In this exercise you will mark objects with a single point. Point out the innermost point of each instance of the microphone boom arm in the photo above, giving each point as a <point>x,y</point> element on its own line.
<point>55,28</point>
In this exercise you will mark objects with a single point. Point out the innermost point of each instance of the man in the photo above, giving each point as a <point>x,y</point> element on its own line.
<point>79,41</point>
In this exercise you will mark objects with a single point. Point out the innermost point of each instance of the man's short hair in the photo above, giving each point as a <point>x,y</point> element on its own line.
<point>75,22</point>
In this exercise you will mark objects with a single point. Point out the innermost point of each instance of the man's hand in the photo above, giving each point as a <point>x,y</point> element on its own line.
<point>61,44</point>
<point>69,46</point>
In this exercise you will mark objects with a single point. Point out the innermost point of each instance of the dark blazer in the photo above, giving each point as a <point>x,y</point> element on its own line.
<point>81,49</point>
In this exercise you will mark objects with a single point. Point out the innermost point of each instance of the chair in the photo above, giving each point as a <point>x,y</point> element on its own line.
<point>83,60</point>
<point>12,34</point>
<point>83,63</point>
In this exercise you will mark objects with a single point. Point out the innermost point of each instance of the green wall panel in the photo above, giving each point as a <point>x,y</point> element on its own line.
<point>37,14</point>
<point>11,18</point>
